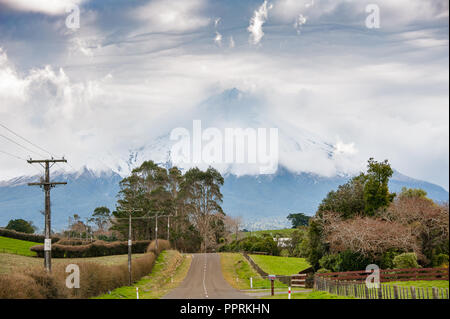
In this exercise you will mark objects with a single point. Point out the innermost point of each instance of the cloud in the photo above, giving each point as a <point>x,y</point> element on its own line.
<point>172,16</point>
<point>257,21</point>
<point>50,7</point>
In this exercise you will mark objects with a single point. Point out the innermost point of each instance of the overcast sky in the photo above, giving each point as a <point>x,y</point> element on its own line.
<point>134,68</point>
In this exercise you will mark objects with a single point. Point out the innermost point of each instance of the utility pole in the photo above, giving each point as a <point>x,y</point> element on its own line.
<point>130,242</point>
<point>47,185</point>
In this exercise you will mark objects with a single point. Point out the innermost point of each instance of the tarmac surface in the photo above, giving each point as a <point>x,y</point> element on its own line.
<point>205,280</point>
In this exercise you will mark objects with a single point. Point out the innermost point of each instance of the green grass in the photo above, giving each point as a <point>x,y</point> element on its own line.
<point>237,272</point>
<point>309,295</point>
<point>169,271</point>
<point>421,283</point>
<point>16,246</point>
<point>275,265</point>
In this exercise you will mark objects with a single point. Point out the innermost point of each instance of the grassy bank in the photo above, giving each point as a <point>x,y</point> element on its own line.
<point>169,271</point>
<point>284,233</point>
<point>275,265</point>
<point>10,262</point>
<point>237,272</point>
<point>16,246</point>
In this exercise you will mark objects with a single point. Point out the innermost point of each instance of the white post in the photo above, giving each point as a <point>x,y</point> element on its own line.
<point>251,282</point>
<point>289,294</point>
<point>137,293</point>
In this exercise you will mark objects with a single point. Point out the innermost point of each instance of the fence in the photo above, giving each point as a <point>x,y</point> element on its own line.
<point>385,291</point>
<point>387,275</point>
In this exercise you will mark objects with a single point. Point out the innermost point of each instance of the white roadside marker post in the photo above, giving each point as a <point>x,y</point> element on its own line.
<point>251,282</point>
<point>137,292</point>
<point>289,294</point>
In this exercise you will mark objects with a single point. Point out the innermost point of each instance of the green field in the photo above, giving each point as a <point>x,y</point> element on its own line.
<point>17,246</point>
<point>275,265</point>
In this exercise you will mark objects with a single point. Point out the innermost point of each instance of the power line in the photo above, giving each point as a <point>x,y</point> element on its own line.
<point>26,140</point>
<point>18,157</point>
<point>24,147</point>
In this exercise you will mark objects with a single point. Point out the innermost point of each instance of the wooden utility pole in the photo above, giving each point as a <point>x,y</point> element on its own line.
<point>47,185</point>
<point>130,242</point>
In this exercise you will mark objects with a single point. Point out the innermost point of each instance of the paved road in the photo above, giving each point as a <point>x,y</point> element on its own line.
<point>205,280</point>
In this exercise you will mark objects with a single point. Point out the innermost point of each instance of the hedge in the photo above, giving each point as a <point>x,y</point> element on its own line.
<point>95,279</point>
<point>95,249</point>
<point>24,236</point>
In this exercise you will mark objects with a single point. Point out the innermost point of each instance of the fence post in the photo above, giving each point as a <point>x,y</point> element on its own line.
<point>395,291</point>
<point>435,293</point>
<point>413,292</point>
<point>380,292</point>
<point>366,291</point>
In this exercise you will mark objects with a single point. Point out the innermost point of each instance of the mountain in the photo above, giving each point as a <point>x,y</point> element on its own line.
<point>263,201</point>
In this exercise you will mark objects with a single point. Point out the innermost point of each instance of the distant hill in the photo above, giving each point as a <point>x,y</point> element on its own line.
<point>263,201</point>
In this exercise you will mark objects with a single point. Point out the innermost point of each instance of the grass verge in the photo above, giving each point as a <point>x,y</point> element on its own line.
<point>237,272</point>
<point>309,295</point>
<point>169,271</point>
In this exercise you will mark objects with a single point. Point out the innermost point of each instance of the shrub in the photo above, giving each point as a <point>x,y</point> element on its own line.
<point>440,260</point>
<point>284,253</point>
<point>406,260</point>
<point>322,271</point>
<point>95,249</point>
<point>24,236</point>
<point>344,261</point>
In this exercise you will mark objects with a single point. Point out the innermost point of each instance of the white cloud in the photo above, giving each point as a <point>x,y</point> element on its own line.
<point>50,7</point>
<point>172,16</point>
<point>257,21</point>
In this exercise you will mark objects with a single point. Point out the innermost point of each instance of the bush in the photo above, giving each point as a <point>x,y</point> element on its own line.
<point>21,225</point>
<point>284,253</point>
<point>344,261</point>
<point>253,244</point>
<point>24,236</point>
<point>322,271</point>
<point>406,260</point>
<point>387,259</point>
<point>440,260</point>
<point>95,249</point>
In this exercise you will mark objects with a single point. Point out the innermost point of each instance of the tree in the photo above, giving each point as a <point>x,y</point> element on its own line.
<point>348,199</point>
<point>298,219</point>
<point>412,193</point>
<point>101,217</point>
<point>376,190</point>
<point>21,225</point>
<point>202,197</point>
